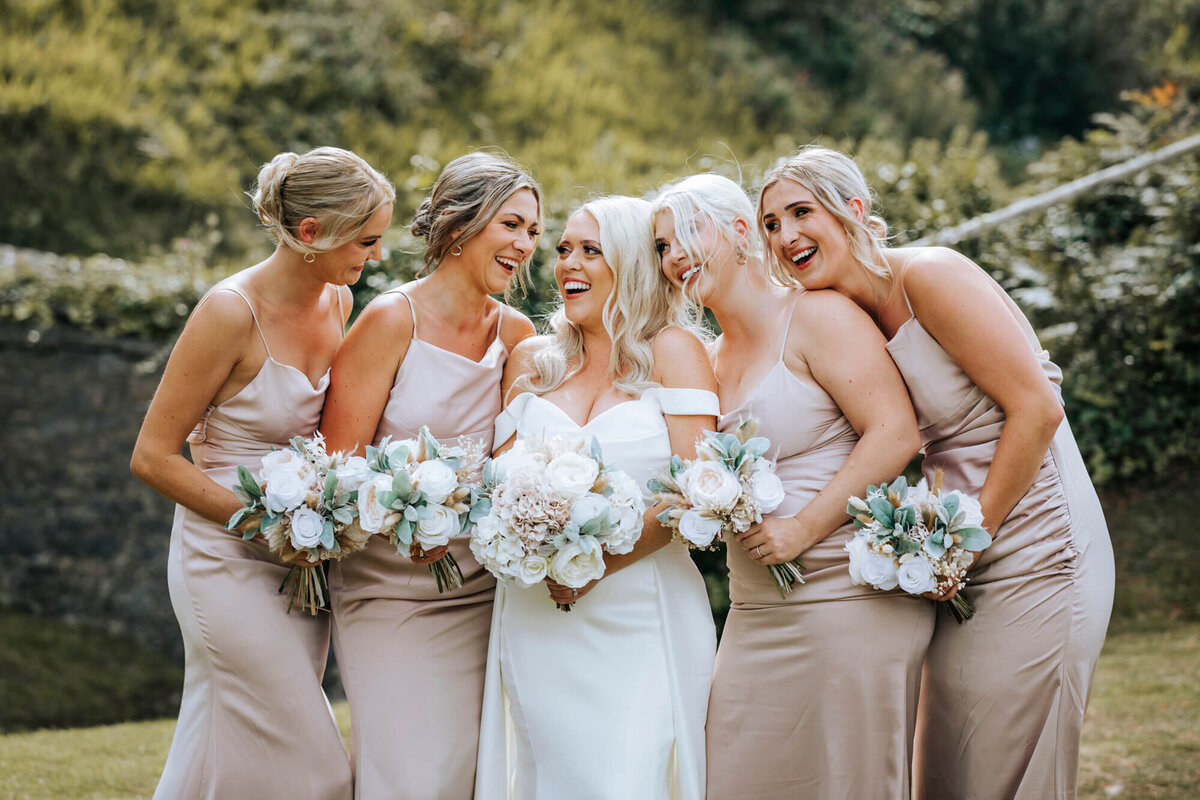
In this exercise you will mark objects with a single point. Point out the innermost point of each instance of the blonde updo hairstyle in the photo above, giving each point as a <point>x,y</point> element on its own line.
<point>465,197</point>
<point>333,186</point>
<point>834,179</point>
<point>639,306</point>
<point>715,200</point>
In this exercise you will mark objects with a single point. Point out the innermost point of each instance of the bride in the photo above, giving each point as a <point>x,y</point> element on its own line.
<point>608,701</point>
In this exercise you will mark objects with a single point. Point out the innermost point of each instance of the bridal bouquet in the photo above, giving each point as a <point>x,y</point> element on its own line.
<point>556,508</point>
<point>724,491</point>
<point>917,538</point>
<point>424,492</point>
<point>303,501</point>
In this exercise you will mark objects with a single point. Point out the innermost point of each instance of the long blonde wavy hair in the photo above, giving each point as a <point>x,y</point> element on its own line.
<point>639,306</point>
<point>834,179</point>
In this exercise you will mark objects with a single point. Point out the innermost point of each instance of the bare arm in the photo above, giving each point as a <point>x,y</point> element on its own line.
<point>960,307</point>
<point>204,360</point>
<point>364,369</point>
<point>681,363</point>
<point>845,353</point>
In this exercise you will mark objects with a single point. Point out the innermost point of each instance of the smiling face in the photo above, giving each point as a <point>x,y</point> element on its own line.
<point>344,264</point>
<point>585,280</point>
<point>507,241</point>
<point>691,275</point>
<point>804,235</point>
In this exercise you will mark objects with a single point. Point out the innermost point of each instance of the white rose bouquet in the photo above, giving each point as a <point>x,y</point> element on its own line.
<point>919,539</point>
<point>555,510</point>
<point>303,501</point>
<point>724,491</point>
<point>420,491</point>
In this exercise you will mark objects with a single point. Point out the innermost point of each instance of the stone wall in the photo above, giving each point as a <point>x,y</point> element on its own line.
<point>82,538</point>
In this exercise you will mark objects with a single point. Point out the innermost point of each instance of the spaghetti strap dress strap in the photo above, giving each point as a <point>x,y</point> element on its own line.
<point>253,315</point>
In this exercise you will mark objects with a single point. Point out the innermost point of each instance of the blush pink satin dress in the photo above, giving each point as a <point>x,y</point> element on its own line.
<point>253,722</point>
<point>412,660</point>
<point>1004,694</point>
<point>814,696</point>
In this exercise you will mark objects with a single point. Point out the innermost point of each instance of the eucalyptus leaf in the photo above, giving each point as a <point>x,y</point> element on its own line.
<point>655,486</point>
<point>480,510</point>
<point>343,515</point>
<point>327,540</point>
<point>676,466</point>
<point>249,485</point>
<point>404,531</point>
<point>386,499</point>
<point>331,482</point>
<point>237,518</point>
<point>935,548</point>
<point>664,517</point>
<point>881,510</point>
<point>411,514</point>
<point>758,445</point>
<point>269,521</point>
<point>975,539</point>
<point>950,503</point>
<point>401,483</point>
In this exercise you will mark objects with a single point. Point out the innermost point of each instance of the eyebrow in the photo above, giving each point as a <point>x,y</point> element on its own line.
<point>520,218</point>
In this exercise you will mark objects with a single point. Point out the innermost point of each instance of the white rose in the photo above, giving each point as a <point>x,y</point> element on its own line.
<point>970,513</point>
<point>879,571</point>
<point>588,507</point>
<point>858,550</point>
<point>533,569</point>
<point>286,490</point>
<point>627,531</point>
<point>283,461</point>
<point>711,487</point>
<point>307,526</point>
<point>436,529</point>
<point>435,479</point>
<point>373,517</point>
<point>353,473</point>
<point>767,489</point>
<point>572,475</point>
<point>512,462</point>
<point>916,576</point>
<point>697,528</point>
<point>578,563</point>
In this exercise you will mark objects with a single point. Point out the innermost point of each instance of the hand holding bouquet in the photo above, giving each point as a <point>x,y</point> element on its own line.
<point>303,503</point>
<point>723,492</point>
<point>555,510</point>
<point>422,493</point>
<point>919,539</point>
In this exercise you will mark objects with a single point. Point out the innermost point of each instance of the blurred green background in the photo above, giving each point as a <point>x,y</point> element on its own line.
<point>130,130</point>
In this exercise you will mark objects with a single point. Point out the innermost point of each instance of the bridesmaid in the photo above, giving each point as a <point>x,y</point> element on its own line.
<point>248,373</point>
<point>429,353</point>
<point>814,695</point>
<point>1003,695</point>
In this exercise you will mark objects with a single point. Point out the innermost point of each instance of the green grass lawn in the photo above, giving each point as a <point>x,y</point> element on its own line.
<point>1142,738</point>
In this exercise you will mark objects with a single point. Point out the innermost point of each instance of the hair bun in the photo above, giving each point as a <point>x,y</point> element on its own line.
<point>268,192</point>
<point>422,222</point>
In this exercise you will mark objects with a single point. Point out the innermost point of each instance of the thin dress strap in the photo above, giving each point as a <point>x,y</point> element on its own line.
<point>904,294</point>
<point>499,322</point>
<point>341,314</point>
<point>253,316</point>
<point>411,308</point>
<point>786,329</point>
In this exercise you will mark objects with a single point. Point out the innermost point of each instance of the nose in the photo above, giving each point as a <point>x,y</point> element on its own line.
<point>377,251</point>
<point>523,242</point>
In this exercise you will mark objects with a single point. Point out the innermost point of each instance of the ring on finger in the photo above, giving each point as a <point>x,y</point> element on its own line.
<point>574,593</point>
<point>758,551</point>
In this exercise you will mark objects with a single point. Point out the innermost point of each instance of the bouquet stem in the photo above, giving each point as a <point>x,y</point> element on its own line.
<point>960,608</point>
<point>307,587</point>
<point>563,606</point>
<point>787,575</point>
<point>447,572</point>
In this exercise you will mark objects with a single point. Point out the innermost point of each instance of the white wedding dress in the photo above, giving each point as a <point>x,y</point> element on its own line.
<point>606,702</point>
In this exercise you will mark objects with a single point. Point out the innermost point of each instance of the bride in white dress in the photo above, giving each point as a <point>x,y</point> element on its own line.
<point>607,701</point>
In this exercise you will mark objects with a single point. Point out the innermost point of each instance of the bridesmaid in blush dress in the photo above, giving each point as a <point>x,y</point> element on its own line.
<point>1003,695</point>
<point>430,353</point>
<point>815,694</point>
<point>248,373</point>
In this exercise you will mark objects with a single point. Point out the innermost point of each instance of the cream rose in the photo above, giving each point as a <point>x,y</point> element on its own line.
<point>766,488</point>
<point>436,529</point>
<point>858,550</point>
<point>286,489</point>
<point>578,563</point>
<point>587,508</point>
<point>353,474</point>
<point>373,517</point>
<point>283,461</point>
<point>915,576</point>
<point>392,448</point>
<point>711,487</point>
<point>697,528</point>
<point>533,569</point>
<point>307,526</point>
<point>435,479</point>
<point>512,462</point>
<point>879,571</point>
<point>572,475</point>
